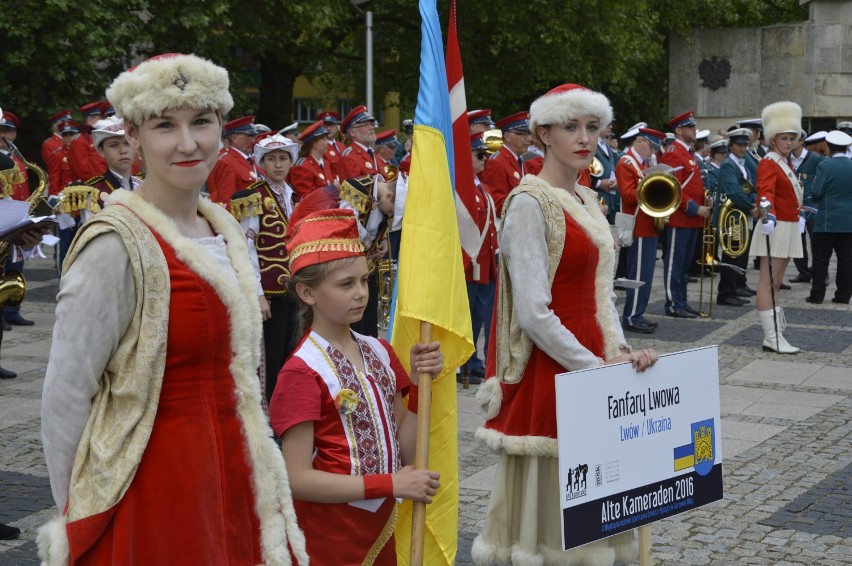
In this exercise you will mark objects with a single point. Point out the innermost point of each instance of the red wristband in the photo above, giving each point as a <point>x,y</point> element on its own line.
<point>412,398</point>
<point>378,485</point>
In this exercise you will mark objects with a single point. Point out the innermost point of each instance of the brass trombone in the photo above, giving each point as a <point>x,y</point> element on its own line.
<point>708,257</point>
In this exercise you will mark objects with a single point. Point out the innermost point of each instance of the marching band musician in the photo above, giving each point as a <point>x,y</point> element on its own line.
<point>58,169</point>
<point>54,142</point>
<point>805,165</point>
<point>718,155</point>
<point>686,223</point>
<point>360,159</point>
<point>832,195</point>
<point>386,144</point>
<point>504,169</point>
<point>263,210</point>
<point>313,170</point>
<point>846,128</point>
<point>234,170</point>
<point>481,274</point>
<point>734,177</point>
<point>331,120</point>
<point>9,130</point>
<point>642,255</point>
<point>82,155</point>
<point>779,236</point>
<point>479,121</point>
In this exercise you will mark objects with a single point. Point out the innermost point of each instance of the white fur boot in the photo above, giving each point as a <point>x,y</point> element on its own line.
<point>769,341</point>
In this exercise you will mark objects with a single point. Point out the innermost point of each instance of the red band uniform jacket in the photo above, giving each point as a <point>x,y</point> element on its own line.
<point>629,173</point>
<point>692,187</point>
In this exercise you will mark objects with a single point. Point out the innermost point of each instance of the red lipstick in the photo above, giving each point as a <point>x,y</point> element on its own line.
<point>583,152</point>
<point>188,163</point>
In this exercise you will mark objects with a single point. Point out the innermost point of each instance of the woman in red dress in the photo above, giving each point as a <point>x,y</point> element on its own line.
<point>155,441</point>
<point>778,238</point>
<point>555,313</point>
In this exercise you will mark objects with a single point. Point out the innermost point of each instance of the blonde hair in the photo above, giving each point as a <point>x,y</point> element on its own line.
<point>312,276</point>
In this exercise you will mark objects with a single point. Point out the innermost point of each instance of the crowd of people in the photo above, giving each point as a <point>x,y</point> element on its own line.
<point>235,257</point>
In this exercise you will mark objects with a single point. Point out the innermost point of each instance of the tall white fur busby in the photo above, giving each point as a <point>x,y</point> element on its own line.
<point>781,117</point>
<point>170,82</point>
<point>567,102</point>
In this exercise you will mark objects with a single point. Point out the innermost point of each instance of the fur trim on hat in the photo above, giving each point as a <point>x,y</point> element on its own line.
<point>560,107</point>
<point>781,117</point>
<point>170,82</point>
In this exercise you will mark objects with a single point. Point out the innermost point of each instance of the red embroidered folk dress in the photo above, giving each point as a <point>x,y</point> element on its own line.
<point>358,443</point>
<point>191,499</point>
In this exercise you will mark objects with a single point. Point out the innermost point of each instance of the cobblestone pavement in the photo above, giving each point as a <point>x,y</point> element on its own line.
<point>787,436</point>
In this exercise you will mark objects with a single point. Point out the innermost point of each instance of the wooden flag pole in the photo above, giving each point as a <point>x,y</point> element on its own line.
<point>421,455</point>
<point>645,546</point>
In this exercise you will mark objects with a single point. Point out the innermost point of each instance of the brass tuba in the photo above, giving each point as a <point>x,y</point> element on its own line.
<point>493,141</point>
<point>391,172</point>
<point>13,286</point>
<point>659,194</point>
<point>734,232</point>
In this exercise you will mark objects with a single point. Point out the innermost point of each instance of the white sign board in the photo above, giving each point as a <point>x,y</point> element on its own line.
<point>635,448</point>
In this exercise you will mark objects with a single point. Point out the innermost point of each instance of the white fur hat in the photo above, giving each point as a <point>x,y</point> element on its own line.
<point>781,117</point>
<point>170,81</point>
<point>273,143</point>
<point>111,127</point>
<point>566,102</point>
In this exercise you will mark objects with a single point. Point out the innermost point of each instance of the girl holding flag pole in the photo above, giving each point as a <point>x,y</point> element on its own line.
<point>346,435</point>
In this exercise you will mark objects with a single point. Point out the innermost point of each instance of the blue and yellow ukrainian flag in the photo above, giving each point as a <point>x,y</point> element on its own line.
<point>431,288</point>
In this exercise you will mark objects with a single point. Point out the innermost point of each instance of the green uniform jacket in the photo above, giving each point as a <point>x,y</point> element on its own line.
<point>832,194</point>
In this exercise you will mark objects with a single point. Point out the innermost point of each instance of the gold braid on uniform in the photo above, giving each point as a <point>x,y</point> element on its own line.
<point>383,539</point>
<point>247,206</point>
<point>80,197</point>
<point>360,201</point>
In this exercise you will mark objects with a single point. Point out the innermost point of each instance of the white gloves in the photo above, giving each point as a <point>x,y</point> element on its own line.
<point>768,227</point>
<point>801,225</point>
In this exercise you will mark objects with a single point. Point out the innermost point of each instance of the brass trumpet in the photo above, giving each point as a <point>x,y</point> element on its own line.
<point>596,168</point>
<point>386,274</point>
<point>659,194</point>
<point>493,141</point>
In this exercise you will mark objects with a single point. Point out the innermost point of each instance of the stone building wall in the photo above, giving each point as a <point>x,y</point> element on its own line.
<point>726,74</point>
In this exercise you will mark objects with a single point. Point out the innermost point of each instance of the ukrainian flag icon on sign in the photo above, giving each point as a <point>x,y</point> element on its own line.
<point>704,446</point>
<point>684,457</point>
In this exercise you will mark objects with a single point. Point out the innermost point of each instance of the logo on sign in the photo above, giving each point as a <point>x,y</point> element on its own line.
<point>576,486</point>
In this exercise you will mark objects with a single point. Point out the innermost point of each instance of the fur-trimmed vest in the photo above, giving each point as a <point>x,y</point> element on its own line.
<point>116,435</point>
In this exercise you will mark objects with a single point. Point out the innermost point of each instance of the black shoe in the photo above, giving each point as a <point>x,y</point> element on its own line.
<point>801,278</point>
<point>690,310</point>
<point>640,327</point>
<point>743,293</point>
<point>785,287</point>
<point>729,301</point>
<point>748,290</point>
<point>839,302</point>
<point>7,532</point>
<point>478,372</point>
<point>680,314</point>
<point>19,321</point>
<point>650,323</point>
<point>813,300</point>
<point>6,374</point>
<point>471,379</point>
<point>6,326</point>
<point>691,279</point>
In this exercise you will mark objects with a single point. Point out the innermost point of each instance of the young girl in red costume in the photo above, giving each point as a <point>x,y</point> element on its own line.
<point>346,434</point>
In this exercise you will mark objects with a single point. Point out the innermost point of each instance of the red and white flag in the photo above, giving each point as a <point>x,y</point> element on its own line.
<point>465,190</point>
